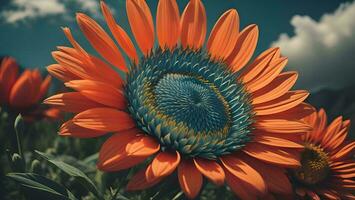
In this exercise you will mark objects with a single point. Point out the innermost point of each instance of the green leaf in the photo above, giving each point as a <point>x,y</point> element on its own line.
<point>43,186</point>
<point>74,172</point>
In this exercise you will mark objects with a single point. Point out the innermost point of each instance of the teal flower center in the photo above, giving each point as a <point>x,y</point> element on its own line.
<point>192,101</point>
<point>189,103</point>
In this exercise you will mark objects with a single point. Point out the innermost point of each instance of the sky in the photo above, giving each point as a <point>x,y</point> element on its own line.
<point>318,36</point>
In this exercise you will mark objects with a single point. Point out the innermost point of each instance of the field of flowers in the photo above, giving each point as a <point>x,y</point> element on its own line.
<point>173,112</point>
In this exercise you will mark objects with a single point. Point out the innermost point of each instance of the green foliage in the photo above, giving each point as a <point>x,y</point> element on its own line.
<point>44,187</point>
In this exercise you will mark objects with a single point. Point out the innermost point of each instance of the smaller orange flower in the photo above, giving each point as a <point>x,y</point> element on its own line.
<point>327,171</point>
<point>21,93</point>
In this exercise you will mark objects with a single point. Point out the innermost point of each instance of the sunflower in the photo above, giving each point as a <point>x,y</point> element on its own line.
<point>200,110</point>
<point>23,93</point>
<point>327,170</point>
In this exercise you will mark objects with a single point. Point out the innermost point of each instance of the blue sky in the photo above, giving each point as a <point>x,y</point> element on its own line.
<point>30,29</point>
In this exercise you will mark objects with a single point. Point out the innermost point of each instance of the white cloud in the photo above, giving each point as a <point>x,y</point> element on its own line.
<point>29,9</point>
<point>24,10</point>
<point>322,51</point>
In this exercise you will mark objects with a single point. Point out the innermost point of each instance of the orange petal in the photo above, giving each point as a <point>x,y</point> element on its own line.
<point>113,155</point>
<point>168,23</point>
<point>73,42</point>
<point>278,87</point>
<point>268,75</point>
<point>296,113</point>
<point>139,181</point>
<point>282,125</point>
<point>101,41</point>
<point>277,156</point>
<point>52,114</point>
<point>244,48</point>
<point>190,178</point>
<point>164,164</point>
<point>72,64</point>
<point>332,129</point>
<point>22,92</point>
<point>36,80</point>
<point>285,102</point>
<point>142,146</point>
<point>87,66</point>
<point>257,66</point>
<point>224,35</point>
<point>100,92</point>
<point>8,75</point>
<point>44,87</point>
<point>71,102</point>
<point>238,188</point>
<point>141,22</point>
<point>193,25</point>
<point>344,152</point>
<point>118,33</point>
<point>276,141</point>
<point>104,119</point>
<point>241,170</point>
<point>211,169</point>
<point>274,177</point>
<point>72,130</point>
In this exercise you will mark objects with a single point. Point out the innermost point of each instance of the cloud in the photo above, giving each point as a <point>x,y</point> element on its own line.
<point>29,9</point>
<point>322,51</point>
<point>24,10</point>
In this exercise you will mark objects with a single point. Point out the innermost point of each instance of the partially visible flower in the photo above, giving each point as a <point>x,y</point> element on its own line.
<point>22,92</point>
<point>327,171</point>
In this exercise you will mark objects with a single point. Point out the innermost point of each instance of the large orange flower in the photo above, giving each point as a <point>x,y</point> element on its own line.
<point>200,111</point>
<point>327,170</point>
<point>23,93</point>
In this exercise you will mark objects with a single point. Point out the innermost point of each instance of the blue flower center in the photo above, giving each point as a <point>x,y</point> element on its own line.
<point>189,103</point>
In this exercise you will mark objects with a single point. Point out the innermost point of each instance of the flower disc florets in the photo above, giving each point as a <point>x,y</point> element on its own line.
<point>190,103</point>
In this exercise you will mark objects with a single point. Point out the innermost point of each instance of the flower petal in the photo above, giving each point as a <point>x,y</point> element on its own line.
<point>190,178</point>
<point>61,73</point>
<point>283,103</point>
<point>100,92</point>
<point>141,22</point>
<point>71,102</point>
<point>274,177</point>
<point>257,66</point>
<point>193,25</point>
<point>164,164</point>
<point>168,23</point>
<point>211,169</point>
<point>113,155</point>
<point>278,87</point>
<point>142,146</point>
<point>8,75</point>
<point>249,176</point>
<point>139,181</point>
<point>244,48</point>
<point>237,187</point>
<point>73,130</point>
<point>224,35</point>
<point>119,34</point>
<point>282,126</point>
<point>277,156</point>
<point>101,41</point>
<point>104,119</point>
<point>273,69</point>
<point>22,92</point>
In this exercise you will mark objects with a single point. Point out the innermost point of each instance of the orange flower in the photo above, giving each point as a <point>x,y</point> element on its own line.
<point>200,111</point>
<point>22,93</point>
<point>327,170</point>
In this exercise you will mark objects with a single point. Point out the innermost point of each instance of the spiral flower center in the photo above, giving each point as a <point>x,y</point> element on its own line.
<point>189,103</point>
<point>192,101</point>
<point>314,165</point>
